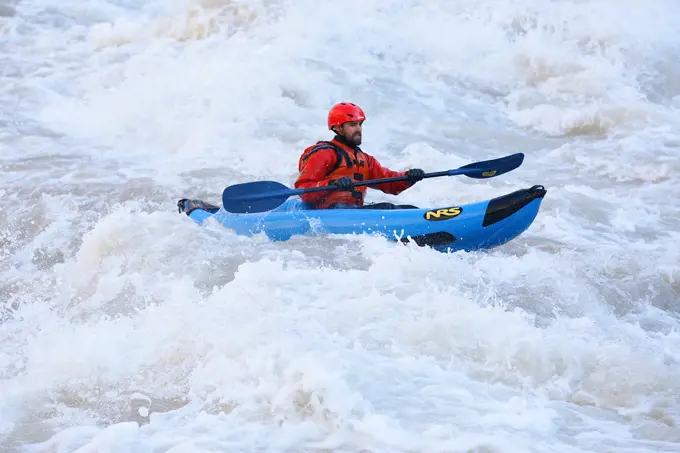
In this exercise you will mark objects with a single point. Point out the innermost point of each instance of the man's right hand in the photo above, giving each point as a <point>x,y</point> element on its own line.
<point>344,183</point>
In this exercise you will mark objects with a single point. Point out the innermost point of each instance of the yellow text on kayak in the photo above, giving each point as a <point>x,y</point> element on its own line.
<point>443,214</point>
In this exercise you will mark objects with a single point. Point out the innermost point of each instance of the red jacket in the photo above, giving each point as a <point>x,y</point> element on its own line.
<point>325,162</point>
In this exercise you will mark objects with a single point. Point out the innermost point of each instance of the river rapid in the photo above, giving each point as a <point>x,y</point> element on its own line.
<point>125,327</point>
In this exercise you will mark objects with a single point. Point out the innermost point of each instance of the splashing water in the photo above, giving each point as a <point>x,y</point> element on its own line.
<point>125,327</point>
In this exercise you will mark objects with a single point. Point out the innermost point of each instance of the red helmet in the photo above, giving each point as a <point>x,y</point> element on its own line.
<point>344,112</point>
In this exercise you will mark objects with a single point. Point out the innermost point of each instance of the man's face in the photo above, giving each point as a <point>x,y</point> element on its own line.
<point>351,131</point>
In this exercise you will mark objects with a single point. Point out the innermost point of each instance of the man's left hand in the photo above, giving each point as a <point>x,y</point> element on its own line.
<point>415,175</point>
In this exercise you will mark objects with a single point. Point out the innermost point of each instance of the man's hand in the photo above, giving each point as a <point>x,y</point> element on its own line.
<point>344,183</point>
<point>415,175</point>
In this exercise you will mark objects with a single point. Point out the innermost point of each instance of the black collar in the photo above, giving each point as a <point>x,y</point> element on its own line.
<point>342,140</point>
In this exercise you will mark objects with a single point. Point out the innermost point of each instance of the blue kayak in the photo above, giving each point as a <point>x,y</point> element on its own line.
<point>468,227</point>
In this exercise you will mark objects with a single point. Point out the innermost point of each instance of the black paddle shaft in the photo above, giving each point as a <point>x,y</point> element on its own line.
<point>479,170</point>
<point>395,179</point>
<point>260,196</point>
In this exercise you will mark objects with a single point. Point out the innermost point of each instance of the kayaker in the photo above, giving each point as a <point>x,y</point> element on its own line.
<point>340,162</point>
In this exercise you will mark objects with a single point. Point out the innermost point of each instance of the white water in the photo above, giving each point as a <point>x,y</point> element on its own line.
<point>127,328</point>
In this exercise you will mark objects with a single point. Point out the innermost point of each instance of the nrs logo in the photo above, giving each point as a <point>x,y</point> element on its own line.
<point>443,214</point>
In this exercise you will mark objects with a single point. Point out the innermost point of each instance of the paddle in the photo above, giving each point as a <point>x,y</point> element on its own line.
<point>260,196</point>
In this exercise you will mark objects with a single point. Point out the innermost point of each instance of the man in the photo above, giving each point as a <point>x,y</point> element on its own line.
<point>340,162</point>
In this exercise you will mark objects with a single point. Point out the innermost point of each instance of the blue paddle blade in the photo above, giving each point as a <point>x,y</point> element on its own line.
<point>257,196</point>
<point>491,168</point>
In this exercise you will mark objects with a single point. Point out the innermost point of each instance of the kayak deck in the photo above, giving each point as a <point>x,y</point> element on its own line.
<point>468,227</point>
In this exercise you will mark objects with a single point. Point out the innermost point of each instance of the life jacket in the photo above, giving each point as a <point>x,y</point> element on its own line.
<point>350,162</point>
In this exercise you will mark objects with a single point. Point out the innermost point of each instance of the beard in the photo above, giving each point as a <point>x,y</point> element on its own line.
<point>355,139</point>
